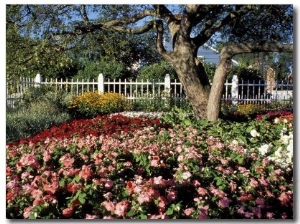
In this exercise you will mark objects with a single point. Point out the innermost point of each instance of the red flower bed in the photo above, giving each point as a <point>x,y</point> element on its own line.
<point>104,124</point>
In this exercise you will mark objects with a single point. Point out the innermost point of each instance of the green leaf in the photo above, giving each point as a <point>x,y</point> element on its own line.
<point>82,197</point>
<point>131,213</point>
<point>143,216</point>
<point>31,216</point>
<point>62,183</point>
<point>169,211</point>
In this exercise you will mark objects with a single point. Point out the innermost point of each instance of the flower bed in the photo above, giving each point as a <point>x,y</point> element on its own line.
<point>114,167</point>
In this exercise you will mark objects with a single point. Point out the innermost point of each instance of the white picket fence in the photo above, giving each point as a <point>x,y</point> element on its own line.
<point>234,91</point>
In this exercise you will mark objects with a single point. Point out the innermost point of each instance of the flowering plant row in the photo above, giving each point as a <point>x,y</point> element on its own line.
<point>138,168</point>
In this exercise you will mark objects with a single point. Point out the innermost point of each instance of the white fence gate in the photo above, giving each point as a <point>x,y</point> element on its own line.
<point>236,91</point>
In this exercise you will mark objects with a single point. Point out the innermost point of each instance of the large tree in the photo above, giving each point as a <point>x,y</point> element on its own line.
<point>241,28</point>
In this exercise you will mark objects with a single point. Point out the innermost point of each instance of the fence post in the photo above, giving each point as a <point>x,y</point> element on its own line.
<point>167,84</point>
<point>101,83</point>
<point>37,80</point>
<point>234,91</point>
<point>167,90</point>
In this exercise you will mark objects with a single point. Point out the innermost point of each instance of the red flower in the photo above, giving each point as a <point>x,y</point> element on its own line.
<point>68,212</point>
<point>74,187</point>
<point>10,196</point>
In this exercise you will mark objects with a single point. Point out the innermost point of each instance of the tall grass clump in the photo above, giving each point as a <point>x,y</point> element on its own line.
<point>40,109</point>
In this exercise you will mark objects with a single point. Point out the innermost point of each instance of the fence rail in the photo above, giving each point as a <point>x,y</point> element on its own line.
<point>236,91</point>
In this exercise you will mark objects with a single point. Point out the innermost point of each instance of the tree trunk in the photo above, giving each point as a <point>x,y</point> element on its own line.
<point>193,79</point>
<point>225,64</point>
<point>214,104</point>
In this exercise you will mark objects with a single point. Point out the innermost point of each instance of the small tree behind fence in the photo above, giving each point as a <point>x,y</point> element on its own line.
<point>236,91</point>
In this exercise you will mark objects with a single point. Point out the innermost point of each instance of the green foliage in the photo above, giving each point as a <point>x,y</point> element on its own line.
<point>157,71</point>
<point>27,121</point>
<point>178,116</point>
<point>59,99</point>
<point>91,104</point>
<point>244,73</point>
<point>92,69</point>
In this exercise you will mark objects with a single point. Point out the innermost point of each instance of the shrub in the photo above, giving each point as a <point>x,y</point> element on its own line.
<point>157,71</point>
<point>91,104</point>
<point>26,121</point>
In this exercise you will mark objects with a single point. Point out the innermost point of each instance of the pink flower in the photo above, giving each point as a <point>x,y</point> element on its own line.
<point>241,210</point>
<point>67,160</point>
<point>107,195</point>
<point>98,158</point>
<point>50,188</point>
<point>285,198</point>
<point>85,172</point>
<point>202,191</point>
<point>109,184</point>
<point>224,202</point>
<point>171,196</point>
<point>24,175</point>
<point>27,212</point>
<point>27,188</point>
<point>88,216</point>
<point>74,187</point>
<point>108,217</point>
<point>248,214</point>
<point>155,161</point>
<point>233,186</point>
<point>270,215</point>
<point>46,156</point>
<point>253,182</point>
<point>38,201</point>
<point>36,193</point>
<point>121,208</point>
<point>260,202</point>
<point>203,212</point>
<point>29,160</point>
<point>127,164</point>
<point>257,212</point>
<point>144,197</point>
<point>189,211</point>
<point>162,203</point>
<point>283,215</point>
<point>109,206</point>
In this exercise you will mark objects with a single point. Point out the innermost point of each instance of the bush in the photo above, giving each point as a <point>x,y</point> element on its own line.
<point>157,71</point>
<point>27,121</point>
<point>111,70</point>
<point>58,99</point>
<point>91,104</point>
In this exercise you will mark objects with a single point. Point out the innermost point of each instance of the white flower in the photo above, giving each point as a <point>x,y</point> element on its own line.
<point>254,133</point>
<point>264,149</point>
<point>285,139</point>
<point>276,120</point>
<point>235,142</point>
<point>186,175</point>
<point>278,152</point>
